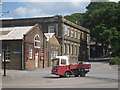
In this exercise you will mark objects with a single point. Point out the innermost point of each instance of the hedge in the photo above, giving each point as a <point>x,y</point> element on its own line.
<point>115,61</point>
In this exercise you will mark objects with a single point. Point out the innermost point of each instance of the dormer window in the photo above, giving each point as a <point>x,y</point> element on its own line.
<point>37,41</point>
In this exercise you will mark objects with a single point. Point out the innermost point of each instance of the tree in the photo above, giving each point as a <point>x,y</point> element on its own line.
<point>102,19</point>
<point>76,18</point>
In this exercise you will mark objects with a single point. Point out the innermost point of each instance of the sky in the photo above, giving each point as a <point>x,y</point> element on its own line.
<point>31,9</point>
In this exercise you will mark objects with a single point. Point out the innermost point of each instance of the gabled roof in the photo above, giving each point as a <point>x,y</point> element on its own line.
<point>13,33</point>
<point>54,41</point>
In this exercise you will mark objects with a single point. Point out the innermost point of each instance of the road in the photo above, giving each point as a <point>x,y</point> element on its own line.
<point>102,75</point>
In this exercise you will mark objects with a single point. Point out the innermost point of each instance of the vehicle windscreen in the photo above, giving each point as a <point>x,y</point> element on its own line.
<point>55,62</point>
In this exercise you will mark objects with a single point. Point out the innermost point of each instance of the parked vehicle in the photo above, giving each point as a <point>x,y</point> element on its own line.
<point>63,68</point>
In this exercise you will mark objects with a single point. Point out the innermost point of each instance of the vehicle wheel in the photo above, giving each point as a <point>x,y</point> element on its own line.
<point>76,75</point>
<point>67,74</point>
<point>82,74</point>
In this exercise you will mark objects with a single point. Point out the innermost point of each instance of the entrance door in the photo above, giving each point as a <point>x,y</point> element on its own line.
<point>36,60</point>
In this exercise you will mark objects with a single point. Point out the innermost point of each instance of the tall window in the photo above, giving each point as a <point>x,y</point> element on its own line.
<point>37,41</point>
<point>64,48</point>
<point>79,35</point>
<point>75,34</point>
<point>75,50</point>
<point>72,33</point>
<point>71,49</point>
<point>68,32</point>
<point>82,35</point>
<point>51,29</point>
<point>65,30</point>
<point>68,49</point>
<point>30,52</point>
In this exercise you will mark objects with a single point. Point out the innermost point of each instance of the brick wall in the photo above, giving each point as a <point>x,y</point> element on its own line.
<point>15,58</point>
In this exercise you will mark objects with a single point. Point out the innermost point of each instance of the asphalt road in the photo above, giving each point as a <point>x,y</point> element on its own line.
<point>102,75</point>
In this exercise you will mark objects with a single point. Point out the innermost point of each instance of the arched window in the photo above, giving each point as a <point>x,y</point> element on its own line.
<point>37,41</point>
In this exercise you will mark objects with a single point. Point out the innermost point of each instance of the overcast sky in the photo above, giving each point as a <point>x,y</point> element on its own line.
<point>43,9</point>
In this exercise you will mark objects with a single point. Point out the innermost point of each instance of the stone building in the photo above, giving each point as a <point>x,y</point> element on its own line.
<point>73,39</point>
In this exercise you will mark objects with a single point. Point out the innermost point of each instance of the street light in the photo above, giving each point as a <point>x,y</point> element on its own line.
<point>48,36</point>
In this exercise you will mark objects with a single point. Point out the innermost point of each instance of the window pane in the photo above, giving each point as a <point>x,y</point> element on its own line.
<point>37,41</point>
<point>51,29</point>
<point>63,61</point>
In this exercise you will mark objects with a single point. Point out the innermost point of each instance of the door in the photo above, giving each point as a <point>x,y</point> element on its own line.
<point>36,60</point>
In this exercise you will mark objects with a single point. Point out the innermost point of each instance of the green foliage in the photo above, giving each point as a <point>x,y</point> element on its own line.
<point>58,15</point>
<point>115,61</point>
<point>102,19</point>
<point>76,18</point>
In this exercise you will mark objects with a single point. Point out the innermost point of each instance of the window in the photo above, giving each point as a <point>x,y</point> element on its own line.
<point>30,52</point>
<point>68,32</point>
<point>64,48</point>
<point>75,34</point>
<point>88,38</point>
<point>56,53</point>
<point>37,41</point>
<point>63,61</point>
<point>68,49</point>
<point>51,29</point>
<point>65,30</point>
<point>55,62</point>
<point>52,54</point>
<point>79,35</point>
<point>71,50</point>
<point>82,35</point>
<point>72,33</point>
<point>7,57</point>
<point>75,50</point>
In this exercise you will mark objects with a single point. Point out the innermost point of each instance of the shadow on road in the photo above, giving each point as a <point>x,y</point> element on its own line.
<point>101,78</point>
<point>52,77</point>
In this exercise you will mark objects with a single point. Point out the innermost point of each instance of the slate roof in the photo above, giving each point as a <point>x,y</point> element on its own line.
<point>13,33</point>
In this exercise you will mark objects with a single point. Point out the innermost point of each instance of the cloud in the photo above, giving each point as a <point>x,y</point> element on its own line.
<point>21,11</point>
<point>32,9</point>
<point>46,0</point>
<point>28,12</point>
<point>114,0</point>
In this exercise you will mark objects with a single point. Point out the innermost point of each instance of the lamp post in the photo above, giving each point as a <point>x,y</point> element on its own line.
<point>4,64</point>
<point>48,36</point>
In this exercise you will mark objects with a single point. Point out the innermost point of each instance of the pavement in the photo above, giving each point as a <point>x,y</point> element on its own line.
<point>100,59</point>
<point>101,75</point>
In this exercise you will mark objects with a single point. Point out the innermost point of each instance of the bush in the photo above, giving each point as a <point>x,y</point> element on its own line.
<point>115,61</point>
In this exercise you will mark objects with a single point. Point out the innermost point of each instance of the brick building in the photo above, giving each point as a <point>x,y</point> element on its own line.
<point>24,47</point>
<point>73,39</point>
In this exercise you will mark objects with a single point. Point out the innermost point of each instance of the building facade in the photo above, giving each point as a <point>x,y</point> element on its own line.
<point>24,47</point>
<point>73,39</point>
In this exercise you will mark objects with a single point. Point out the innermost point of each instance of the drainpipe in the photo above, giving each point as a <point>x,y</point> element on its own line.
<point>23,54</point>
<point>62,46</point>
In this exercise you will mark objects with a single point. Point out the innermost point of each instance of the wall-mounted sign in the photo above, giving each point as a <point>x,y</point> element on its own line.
<point>16,52</point>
